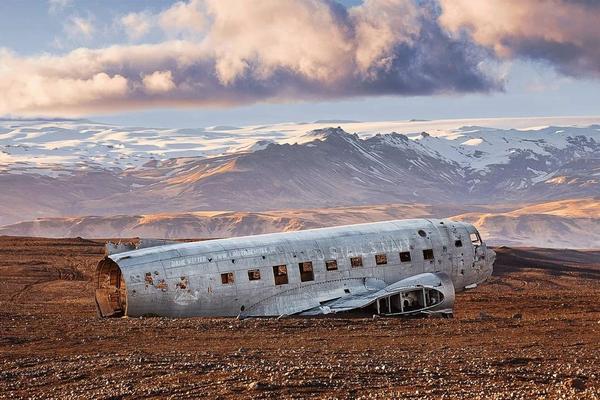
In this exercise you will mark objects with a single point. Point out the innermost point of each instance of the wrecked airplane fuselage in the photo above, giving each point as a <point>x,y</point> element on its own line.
<point>398,267</point>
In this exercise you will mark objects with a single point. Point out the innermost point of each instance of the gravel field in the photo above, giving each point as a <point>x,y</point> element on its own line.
<point>532,331</point>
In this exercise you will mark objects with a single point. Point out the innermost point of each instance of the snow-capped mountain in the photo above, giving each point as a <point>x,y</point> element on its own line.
<point>59,146</point>
<point>66,168</point>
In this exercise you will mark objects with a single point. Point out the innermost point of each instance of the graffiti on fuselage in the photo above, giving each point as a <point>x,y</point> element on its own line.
<point>231,254</point>
<point>370,247</point>
<point>349,250</point>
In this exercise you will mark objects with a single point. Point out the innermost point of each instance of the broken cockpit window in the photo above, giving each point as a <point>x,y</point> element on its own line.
<point>227,278</point>
<point>331,265</point>
<point>254,274</point>
<point>306,271</point>
<point>280,274</point>
<point>475,239</point>
<point>356,262</point>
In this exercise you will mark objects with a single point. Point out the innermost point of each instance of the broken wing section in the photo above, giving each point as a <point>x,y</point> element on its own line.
<point>308,297</point>
<point>428,293</point>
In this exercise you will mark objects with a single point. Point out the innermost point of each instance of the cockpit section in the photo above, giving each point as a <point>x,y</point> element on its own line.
<point>483,258</point>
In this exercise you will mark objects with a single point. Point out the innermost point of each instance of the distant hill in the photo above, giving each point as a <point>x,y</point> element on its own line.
<point>567,223</point>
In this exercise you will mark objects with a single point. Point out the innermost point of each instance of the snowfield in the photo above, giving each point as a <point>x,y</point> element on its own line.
<point>54,147</point>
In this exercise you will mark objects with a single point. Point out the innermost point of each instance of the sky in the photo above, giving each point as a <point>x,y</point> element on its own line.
<point>234,62</point>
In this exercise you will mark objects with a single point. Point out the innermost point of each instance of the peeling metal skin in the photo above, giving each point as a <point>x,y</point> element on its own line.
<point>397,267</point>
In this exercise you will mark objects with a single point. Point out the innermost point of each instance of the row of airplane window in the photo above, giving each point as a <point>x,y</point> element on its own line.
<point>306,268</point>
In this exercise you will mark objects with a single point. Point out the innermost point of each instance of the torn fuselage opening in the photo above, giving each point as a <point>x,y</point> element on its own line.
<point>111,292</point>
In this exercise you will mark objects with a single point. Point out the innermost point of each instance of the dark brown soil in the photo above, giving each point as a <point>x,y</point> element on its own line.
<point>533,331</point>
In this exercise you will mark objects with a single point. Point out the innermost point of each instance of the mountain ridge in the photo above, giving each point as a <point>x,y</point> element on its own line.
<point>322,168</point>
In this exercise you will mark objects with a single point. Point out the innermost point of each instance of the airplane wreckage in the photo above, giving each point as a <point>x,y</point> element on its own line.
<point>401,267</point>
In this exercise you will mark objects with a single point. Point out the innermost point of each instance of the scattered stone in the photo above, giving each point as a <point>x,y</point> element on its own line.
<point>483,316</point>
<point>256,385</point>
<point>577,384</point>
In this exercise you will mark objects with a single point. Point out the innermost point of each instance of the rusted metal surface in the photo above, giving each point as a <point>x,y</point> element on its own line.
<point>382,266</point>
<point>122,247</point>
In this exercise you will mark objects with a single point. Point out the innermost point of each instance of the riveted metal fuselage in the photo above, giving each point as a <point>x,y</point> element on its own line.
<point>227,276</point>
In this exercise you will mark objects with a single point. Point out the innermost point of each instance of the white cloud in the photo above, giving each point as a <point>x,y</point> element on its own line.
<point>136,25</point>
<point>381,25</point>
<point>564,33</point>
<point>79,28</point>
<point>85,81</point>
<point>260,37</point>
<point>249,51</point>
<point>183,18</point>
<point>40,88</point>
<point>158,82</point>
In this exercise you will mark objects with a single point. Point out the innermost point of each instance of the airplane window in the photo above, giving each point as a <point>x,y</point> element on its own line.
<point>280,274</point>
<point>458,243</point>
<point>380,259</point>
<point>428,254</point>
<point>356,262</point>
<point>422,233</point>
<point>331,265</point>
<point>253,274</point>
<point>475,239</point>
<point>227,278</point>
<point>405,256</point>
<point>306,271</point>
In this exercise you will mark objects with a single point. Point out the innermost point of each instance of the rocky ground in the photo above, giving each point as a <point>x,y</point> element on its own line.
<point>533,331</point>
